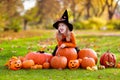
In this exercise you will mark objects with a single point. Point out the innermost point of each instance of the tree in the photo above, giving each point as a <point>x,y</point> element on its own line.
<point>111,7</point>
<point>10,9</point>
<point>30,17</point>
<point>47,12</point>
<point>76,9</point>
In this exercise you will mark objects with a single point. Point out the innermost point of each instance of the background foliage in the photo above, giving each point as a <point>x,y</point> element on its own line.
<point>84,14</point>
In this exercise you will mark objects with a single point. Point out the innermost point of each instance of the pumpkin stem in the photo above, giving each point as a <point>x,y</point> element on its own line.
<point>108,51</point>
<point>41,52</point>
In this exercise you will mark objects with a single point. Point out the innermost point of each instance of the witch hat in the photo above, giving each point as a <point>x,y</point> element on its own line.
<point>64,19</point>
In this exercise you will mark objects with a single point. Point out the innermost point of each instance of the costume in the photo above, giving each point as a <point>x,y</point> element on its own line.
<point>72,42</point>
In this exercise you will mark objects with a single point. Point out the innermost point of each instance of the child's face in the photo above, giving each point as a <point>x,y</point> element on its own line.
<point>62,27</point>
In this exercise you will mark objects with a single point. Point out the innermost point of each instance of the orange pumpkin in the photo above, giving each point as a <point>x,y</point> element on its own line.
<point>27,64</point>
<point>73,64</point>
<point>38,58</point>
<point>69,53</point>
<point>39,66</point>
<point>108,59</point>
<point>10,60</point>
<point>46,65</point>
<point>58,62</point>
<point>118,65</point>
<point>88,53</point>
<point>36,67</point>
<point>87,62</point>
<point>15,64</point>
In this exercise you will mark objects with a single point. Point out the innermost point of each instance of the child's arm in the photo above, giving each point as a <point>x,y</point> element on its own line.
<point>71,43</point>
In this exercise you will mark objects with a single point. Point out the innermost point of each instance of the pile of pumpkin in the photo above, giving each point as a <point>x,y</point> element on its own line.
<point>64,58</point>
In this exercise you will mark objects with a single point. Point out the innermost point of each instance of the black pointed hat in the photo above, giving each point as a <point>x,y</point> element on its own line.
<point>64,19</point>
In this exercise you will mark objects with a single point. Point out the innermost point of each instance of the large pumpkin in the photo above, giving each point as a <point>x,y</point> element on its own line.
<point>73,64</point>
<point>69,53</point>
<point>108,59</point>
<point>87,52</point>
<point>38,58</point>
<point>15,64</point>
<point>58,62</point>
<point>87,62</point>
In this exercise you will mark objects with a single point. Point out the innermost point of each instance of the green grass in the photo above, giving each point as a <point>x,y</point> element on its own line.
<point>20,47</point>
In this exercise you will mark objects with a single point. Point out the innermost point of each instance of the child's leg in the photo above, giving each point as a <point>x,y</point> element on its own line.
<point>54,52</point>
<point>76,48</point>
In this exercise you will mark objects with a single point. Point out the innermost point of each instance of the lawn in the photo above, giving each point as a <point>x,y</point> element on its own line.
<point>19,44</point>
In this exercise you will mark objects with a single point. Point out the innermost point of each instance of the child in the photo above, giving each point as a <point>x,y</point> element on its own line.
<point>65,36</point>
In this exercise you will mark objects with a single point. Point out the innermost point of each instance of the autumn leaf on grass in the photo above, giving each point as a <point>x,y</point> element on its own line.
<point>100,76</point>
<point>118,49</point>
<point>14,51</point>
<point>42,48</point>
<point>1,49</point>
<point>30,47</point>
<point>96,47</point>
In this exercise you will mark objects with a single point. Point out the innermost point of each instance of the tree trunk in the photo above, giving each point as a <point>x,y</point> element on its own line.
<point>110,15</point>
<point>25,24</point>
<point>88,5</point>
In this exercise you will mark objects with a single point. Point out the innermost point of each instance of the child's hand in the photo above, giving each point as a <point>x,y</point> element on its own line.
<point>62,45</point>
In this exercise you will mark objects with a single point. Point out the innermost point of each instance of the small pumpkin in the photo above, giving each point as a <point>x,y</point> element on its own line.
<point>69,53</point>
<point>58,62</point>
<point>15,64</point>
<point>73,64</point>
<point>87,52</point>
<point>108,59</point>
<point>118,65</point>
<point>46,65</point>
<point>10,60</point>
<point>39,66</point>
<point>36,67</point>
<point>27,64</point>
<point>87,62</point>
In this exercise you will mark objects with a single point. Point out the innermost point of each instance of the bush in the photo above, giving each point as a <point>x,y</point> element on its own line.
<point>14,25</point>
<point>2,22</point>
<point>96,23</point>
<point>115,24</point>
<point>92,23</point>
<point>79,25</point>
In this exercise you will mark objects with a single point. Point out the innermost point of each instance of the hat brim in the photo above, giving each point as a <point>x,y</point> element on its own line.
<point>70,26</point>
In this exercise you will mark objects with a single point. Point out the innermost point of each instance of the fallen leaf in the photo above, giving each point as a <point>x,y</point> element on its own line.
<point>1,49</point>
<point>100,77</point>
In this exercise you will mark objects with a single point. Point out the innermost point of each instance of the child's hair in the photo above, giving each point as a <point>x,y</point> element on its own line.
<point>67,34</point>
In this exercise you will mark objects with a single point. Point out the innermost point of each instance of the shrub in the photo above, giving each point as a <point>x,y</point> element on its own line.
<point>115,24</point>
<point>14,25</point>
<point>96,23</point>
<point>92,23</point>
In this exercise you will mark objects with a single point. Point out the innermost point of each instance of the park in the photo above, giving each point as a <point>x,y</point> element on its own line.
<point>96,26</point>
